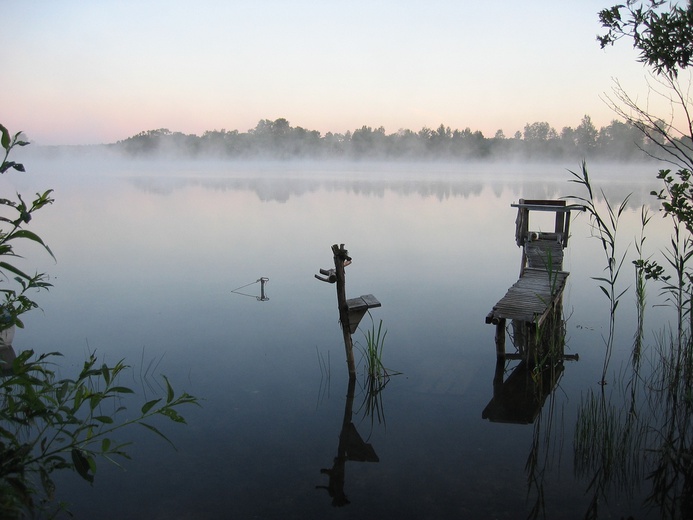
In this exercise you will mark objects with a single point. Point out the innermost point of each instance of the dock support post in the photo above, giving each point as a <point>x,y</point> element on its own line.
<point>341,258</point>
<point>500,338</point>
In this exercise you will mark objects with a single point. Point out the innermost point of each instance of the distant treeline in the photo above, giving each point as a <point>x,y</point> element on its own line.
<point>279,140</point>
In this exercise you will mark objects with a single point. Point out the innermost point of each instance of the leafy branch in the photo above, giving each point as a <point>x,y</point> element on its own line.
<point>48,424</point>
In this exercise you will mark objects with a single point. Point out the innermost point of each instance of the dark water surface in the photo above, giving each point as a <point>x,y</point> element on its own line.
<point>149,254</point>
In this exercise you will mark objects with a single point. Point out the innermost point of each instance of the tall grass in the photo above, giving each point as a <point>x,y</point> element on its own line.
<point>373,352</point>
<point>376,375</point>
<point>650,439</point>
<point>605,228</point>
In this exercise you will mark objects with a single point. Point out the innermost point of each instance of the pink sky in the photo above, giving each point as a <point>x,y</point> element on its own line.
<point>85,73</point>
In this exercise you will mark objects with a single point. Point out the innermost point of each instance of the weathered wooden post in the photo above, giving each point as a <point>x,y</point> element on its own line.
<point>500,338</point>
<point>350,311</point>
<point>336,275</point>
<point>341,260</point>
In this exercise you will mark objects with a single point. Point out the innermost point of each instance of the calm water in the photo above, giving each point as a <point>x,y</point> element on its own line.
<point>149,255</point>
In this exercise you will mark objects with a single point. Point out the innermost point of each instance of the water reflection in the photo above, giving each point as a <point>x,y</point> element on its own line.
<point>639,433</point>
<point>262,297</point>
<point>520,394</point>
<point>442,182</point>
<point>351,447</point>
<point>519,397</point>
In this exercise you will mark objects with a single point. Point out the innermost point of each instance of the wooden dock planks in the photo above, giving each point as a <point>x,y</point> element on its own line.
<point>530,298</point>
<point>544,254</point>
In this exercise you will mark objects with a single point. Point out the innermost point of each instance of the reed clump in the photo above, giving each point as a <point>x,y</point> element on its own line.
<point>640,432</point>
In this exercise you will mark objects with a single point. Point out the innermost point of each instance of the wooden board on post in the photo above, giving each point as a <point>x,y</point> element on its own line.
<point>358,307</point>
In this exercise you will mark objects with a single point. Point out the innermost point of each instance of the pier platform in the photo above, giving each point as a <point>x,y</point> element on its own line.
<point>537,295</point>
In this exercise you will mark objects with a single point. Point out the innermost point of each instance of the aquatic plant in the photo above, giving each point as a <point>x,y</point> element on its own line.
<point>376,376</point>
<point>641,278</point>
<point>605,228</point>
<point>373,352</point>
<point>649,438</point>
<point>49,424</point>
<point>17,214</point>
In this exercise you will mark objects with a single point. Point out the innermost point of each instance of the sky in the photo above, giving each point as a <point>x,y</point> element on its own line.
<point>81,72</point>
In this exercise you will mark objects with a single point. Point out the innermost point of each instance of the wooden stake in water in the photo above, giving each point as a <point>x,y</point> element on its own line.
<point>350,311</point>
<point>341,260</point>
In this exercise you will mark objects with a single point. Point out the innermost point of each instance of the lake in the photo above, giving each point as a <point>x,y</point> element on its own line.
<point>159,263</point>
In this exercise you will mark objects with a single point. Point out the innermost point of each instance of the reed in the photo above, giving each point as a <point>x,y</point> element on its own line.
<point>605,229</point>
<point>641,278</point>
<point>373,351</point>
<point>376,376</point>
<point>641,431</point>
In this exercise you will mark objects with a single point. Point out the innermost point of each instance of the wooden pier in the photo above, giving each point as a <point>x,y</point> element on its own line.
<point>537,295</point>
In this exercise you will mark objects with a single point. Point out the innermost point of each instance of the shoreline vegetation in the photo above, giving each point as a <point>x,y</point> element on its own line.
<point>279,140</point>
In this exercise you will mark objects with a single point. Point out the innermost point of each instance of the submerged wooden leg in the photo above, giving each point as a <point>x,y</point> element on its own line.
<point>500,338</point>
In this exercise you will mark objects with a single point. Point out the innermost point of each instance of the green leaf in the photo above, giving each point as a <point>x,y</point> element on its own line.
<point>122,390</point>
<point>148,405</point>
<point>47,483</point>
<point>7,165</point>
<point>25,233</point>
<point>81,464</point>
<point>155,430</point>
<point>105,445</point>
<point>173,415</point>
<point>106,374</point>
<point>95,400</point>
<point>105,419</point>
<point>13,269</point>
<point>5,140</point>
<point>169,391</point>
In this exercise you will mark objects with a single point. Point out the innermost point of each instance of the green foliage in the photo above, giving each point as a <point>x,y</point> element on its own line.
<point>650,438</point>
<point>49,424</point>
<point>661,31</point>
<point>376,376</point>
<point>677,196</point>
<point>16,214</point>
<point>375,341</point>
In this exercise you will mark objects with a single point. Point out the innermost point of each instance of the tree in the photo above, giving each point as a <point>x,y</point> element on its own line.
<point>586,135</point>
<point>662,31</point>
<point>620,140</point>
<point>539,131</point>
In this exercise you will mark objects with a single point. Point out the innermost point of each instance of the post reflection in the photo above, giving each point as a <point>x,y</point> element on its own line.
<point>262,297</point>
<point>351,447</point>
